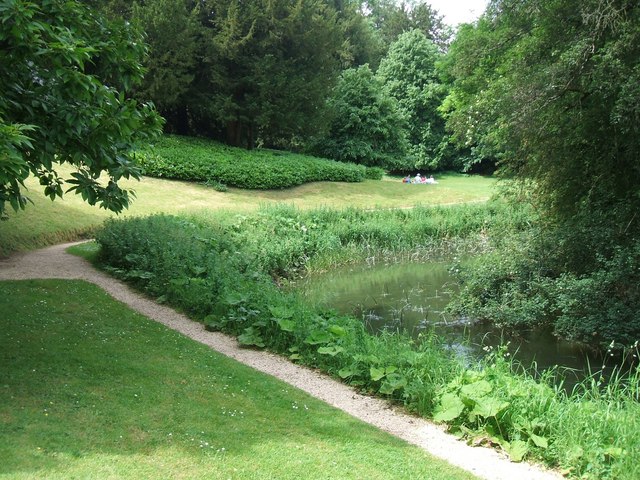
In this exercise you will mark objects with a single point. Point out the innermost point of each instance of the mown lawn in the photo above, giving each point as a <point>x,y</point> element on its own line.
<point>90,389</point>
<point>48,223</point>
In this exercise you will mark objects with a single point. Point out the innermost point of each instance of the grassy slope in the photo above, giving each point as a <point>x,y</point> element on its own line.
<point>94,390</point>
<point>49,222</point>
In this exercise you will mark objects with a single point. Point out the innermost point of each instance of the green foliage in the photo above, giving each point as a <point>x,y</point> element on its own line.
<point>215,270</point>
<point>242,72</point>
<point>185,158</point>
<point>491,405</point>
<point>307,236</point>
<point>551,88</point>
<point>374,173</point>
<point>367,126</point>
<point>524,284</point>
<point>64,75</point>
<point>171,32</point>
<point>392,19</point>
<point>221,272</point>
<point>408,74</point>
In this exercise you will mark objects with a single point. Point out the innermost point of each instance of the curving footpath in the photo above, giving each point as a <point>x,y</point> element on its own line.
<point>54,262</point>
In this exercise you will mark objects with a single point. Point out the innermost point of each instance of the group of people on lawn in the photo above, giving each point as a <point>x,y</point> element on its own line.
<point>419,179</point>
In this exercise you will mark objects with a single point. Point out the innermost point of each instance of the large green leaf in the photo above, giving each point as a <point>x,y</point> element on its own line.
<point>488,407</point>
<point>539,441</point>
<point>333,351</point>
<point>476,390</point>
<point>392,383</point>
<point>377,373</point>
<point>517,450</point>
<point>317,337</point>
<point>286,324</point>
<point>449,408</point>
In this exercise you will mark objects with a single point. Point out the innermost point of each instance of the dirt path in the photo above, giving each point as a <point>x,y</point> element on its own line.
<point>54,262</point>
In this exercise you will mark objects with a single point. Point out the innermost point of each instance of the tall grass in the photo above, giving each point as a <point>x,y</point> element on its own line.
<point>220,269</point>
<point>315,239</point>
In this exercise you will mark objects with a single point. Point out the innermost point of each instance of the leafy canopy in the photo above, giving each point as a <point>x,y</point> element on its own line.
<point>553,88</point>
<point>366,127</point>
<point>64,73</point>
<point>409,75</point>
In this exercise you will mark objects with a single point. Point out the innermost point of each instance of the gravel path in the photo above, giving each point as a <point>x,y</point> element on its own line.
<point>54,262</point>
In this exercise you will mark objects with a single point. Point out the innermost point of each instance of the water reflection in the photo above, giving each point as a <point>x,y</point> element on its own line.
<point>412,297</point>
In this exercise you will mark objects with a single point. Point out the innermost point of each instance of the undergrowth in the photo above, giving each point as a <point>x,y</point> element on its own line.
<point>221,271</point>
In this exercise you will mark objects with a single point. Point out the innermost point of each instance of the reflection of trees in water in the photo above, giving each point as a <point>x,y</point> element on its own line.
<point>411,298</point>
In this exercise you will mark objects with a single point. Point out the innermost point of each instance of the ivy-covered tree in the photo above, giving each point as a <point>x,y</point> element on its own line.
<point>409,75</point>
<point>367,126</point>
<point>64,76</point>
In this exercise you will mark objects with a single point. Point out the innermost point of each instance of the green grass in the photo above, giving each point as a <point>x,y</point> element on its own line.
<point>90,389</point>
<point>48,223</point>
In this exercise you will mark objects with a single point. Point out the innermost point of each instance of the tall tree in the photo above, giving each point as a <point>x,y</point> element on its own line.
<point>367,126</point>
<point>553,89</point>
<point>172,33</point>
<point>64,75</point>
<point>280,59</point>
<point>392,18</point>
<point>409,75</point>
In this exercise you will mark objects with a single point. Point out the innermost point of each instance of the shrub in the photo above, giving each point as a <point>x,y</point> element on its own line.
<point>374,173</point>
<point>199,160</point>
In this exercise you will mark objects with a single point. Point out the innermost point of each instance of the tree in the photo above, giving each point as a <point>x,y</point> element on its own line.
<point>409,75</point>
<point>172,32</point>
<point>64,74</point>
<point>552,88</point>
<point>279,60</point>
<point>393,18</point>
<point>366,126</point>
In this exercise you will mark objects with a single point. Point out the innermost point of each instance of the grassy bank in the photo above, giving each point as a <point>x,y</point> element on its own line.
<point>91,389</point>
<point>220,270</point>
<point>48,223</point>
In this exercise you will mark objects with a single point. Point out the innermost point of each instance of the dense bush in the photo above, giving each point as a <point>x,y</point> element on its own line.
<point>522,283</point>
<point>366,125</point>
<point>191,159</point>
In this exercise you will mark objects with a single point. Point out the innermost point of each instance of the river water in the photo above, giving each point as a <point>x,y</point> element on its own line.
<point>412,297</point>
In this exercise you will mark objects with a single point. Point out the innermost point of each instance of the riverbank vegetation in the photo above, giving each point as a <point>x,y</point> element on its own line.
<point>553,90</point>
<point>220,269</point>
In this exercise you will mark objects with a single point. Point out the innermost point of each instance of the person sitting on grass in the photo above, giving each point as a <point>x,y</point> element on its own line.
<point>430,180</point>
<point>407,179</point>
<point>418,178</point>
